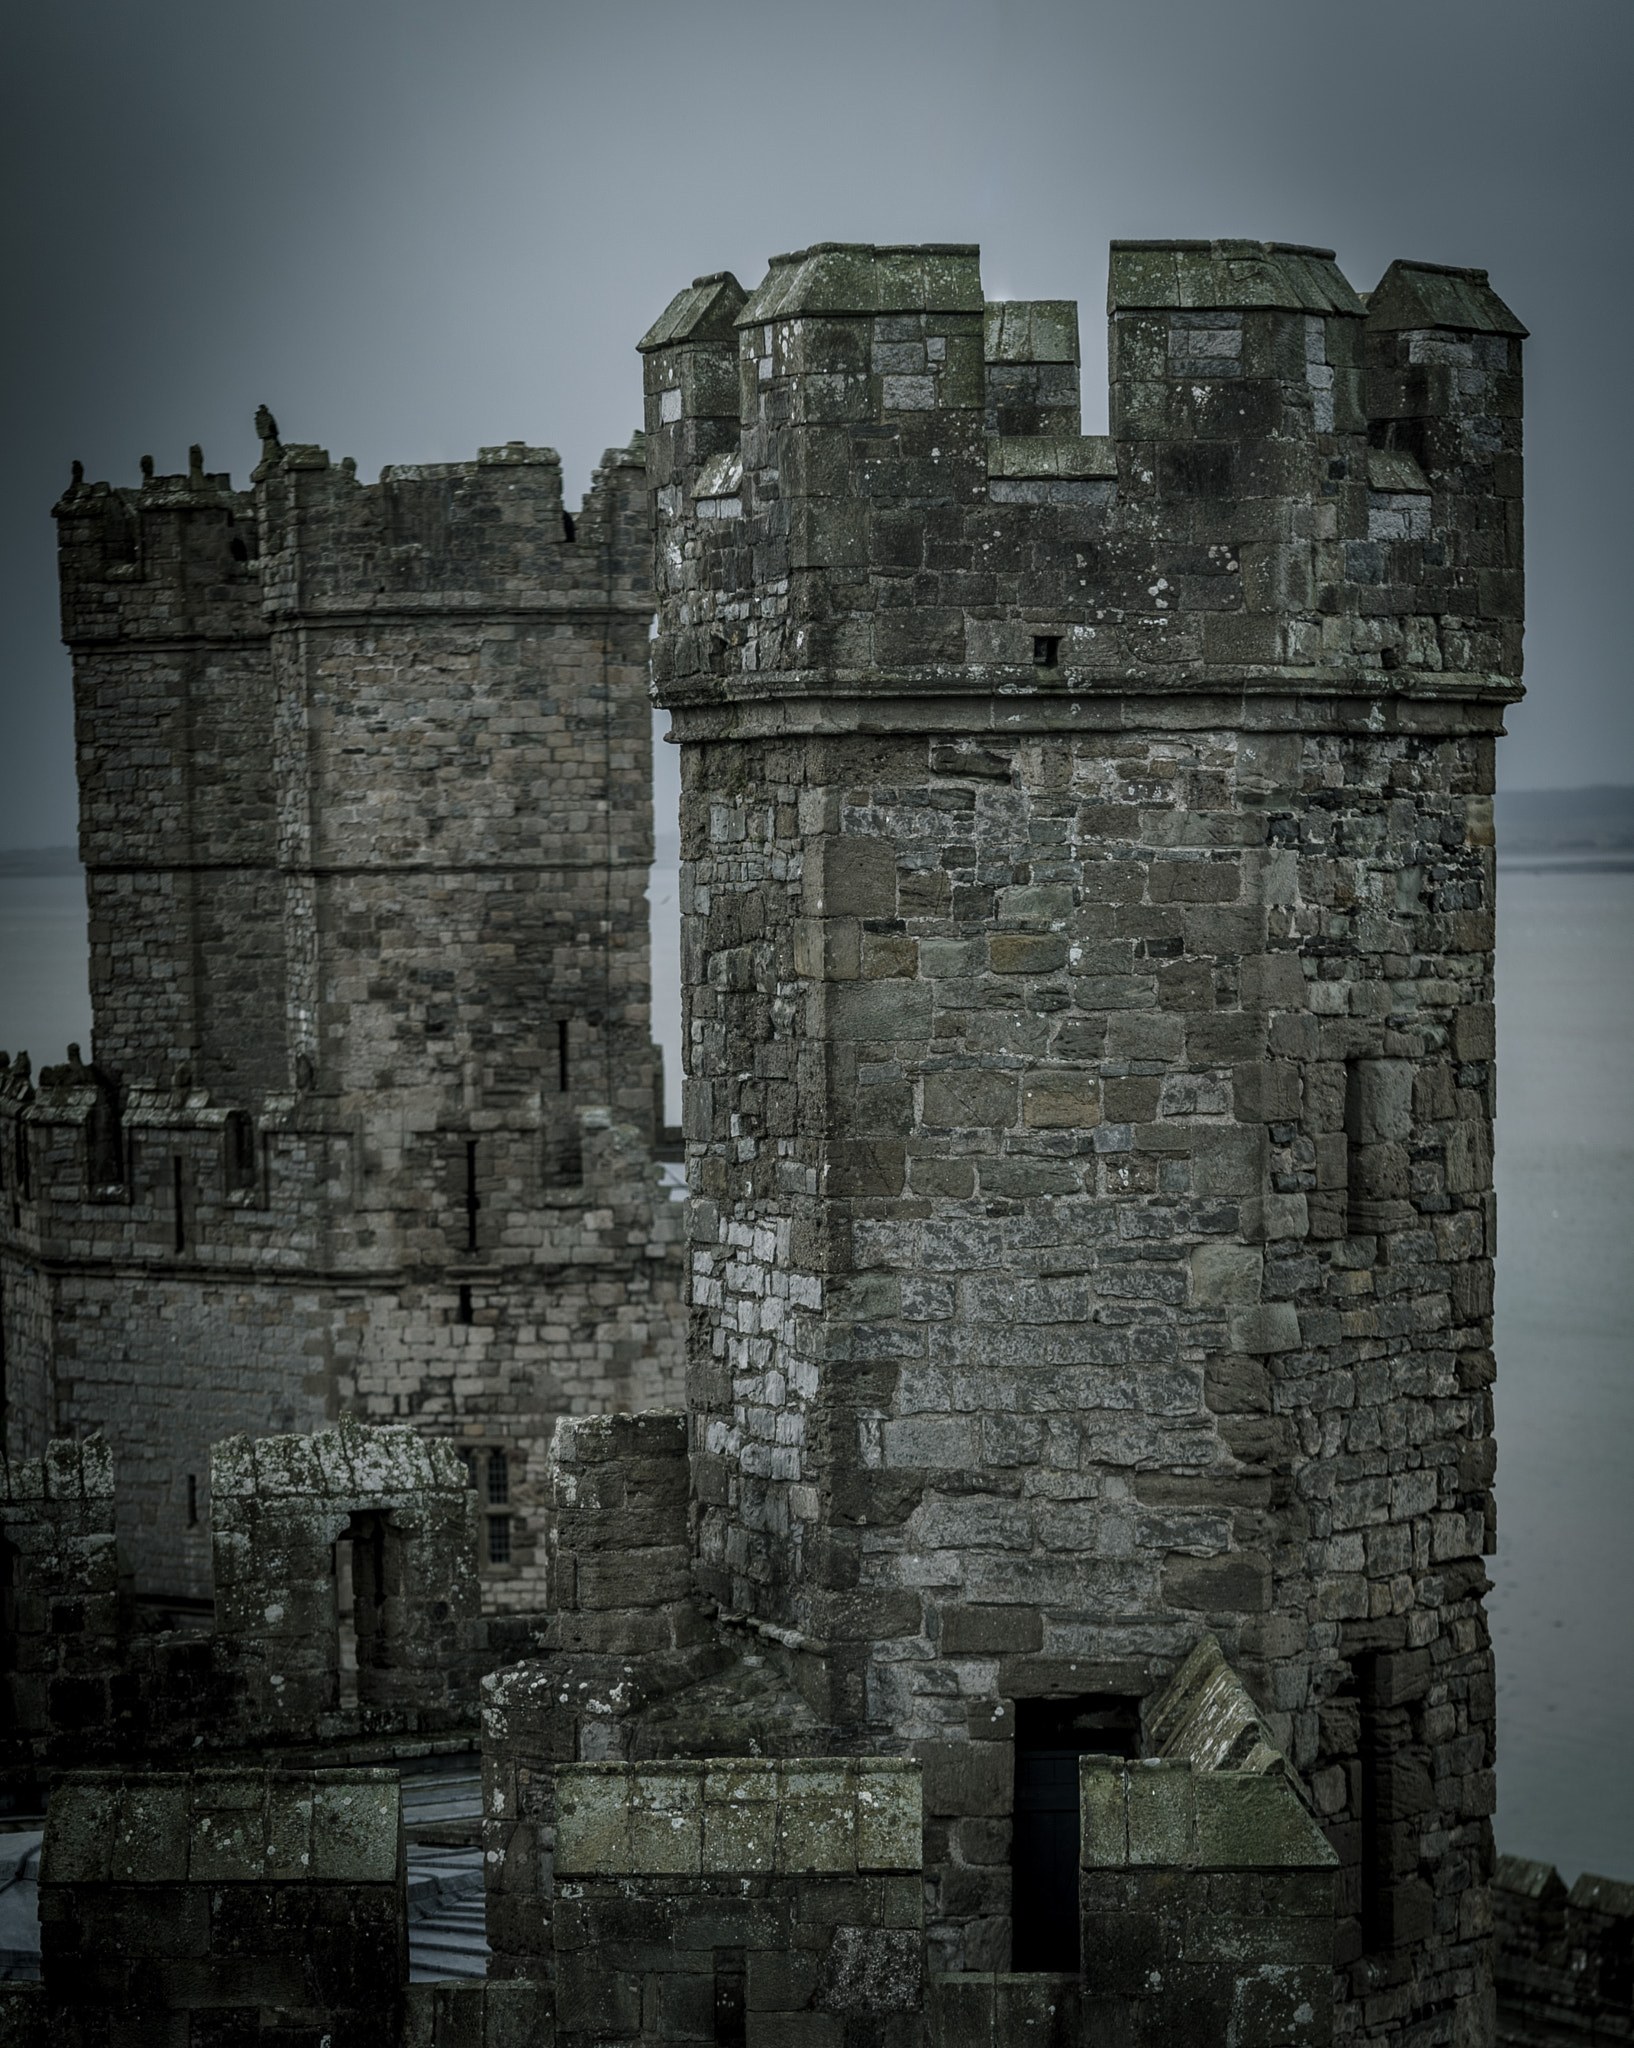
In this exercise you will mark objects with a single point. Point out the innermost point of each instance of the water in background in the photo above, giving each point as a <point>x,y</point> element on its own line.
<point>45,999</point>
<point>1563,1601</point>
<point>1563,1604</point>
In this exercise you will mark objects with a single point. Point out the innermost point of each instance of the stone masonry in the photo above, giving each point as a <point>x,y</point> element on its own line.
<point>1087,889</point>
<point>238,1906</point>
<point>367,819</point>
<point>1055,1614</point>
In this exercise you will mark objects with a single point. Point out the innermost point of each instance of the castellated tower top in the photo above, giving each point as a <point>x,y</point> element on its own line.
<point>859,406</point>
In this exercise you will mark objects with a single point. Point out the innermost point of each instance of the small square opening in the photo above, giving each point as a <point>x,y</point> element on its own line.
<point>1046,650</point>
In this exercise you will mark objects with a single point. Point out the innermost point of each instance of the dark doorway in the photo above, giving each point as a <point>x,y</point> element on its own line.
<point>368,1572</point>
<point>1051,1735</point>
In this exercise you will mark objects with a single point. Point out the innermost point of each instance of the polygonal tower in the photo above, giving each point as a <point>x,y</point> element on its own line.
<point>1087,879</point>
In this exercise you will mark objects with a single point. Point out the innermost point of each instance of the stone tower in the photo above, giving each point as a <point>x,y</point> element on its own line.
<point>367,820</point>
<point>1087,882</point>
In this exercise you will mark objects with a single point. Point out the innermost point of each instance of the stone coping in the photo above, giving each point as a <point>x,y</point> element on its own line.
<point>223,1827</point>
<point>822,1816</point>
<point>1165,1815</point>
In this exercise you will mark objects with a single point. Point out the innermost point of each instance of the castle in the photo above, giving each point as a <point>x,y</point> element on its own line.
<point>1053,1610</point>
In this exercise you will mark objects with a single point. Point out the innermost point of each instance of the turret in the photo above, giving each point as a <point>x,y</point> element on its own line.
<point>1088,985</point>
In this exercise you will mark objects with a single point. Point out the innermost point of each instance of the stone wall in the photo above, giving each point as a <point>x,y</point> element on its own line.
<point>622,1631</point>
<point>1207,1901</point>
<point>285,1508</point>
<point>61,1648</point>
<point>348,1609</point>
<point>743,1901</point>
<point>1087,871</point>
<point>620,1560</point>
<point>227,1904</point>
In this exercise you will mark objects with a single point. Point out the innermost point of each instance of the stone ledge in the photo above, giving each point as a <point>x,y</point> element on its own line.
<point>1161,1815</point>
<point>820,1817</point>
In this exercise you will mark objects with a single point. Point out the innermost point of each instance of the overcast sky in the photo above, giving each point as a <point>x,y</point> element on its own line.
<point>415,228</point>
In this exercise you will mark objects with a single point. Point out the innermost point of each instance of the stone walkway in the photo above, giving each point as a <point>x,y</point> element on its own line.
<point>442,1815</point>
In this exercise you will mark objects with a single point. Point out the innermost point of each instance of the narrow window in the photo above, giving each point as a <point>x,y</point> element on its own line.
<point>25,1178</point>
<point>192,1500</point>
<point>176,1200</point>
<point>104,1149</point>
<point>499,1480</point>
<point>240,1151</point>
<point>561,1055</point>
<point>1046,650</point>
<point>499,1539</point>
<point>239,552</point>
<point>345,1624</point>
<point>1051,1735</point>
<point>467,1312</point>
<point>568,532</point>
<point>4,1390</point>
<point>472,1205</point>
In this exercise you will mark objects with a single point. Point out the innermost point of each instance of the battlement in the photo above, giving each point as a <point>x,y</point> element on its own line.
<point>187,557</point>
<point>905,457</point>
<point>447,536</point>
<point>173,560</point>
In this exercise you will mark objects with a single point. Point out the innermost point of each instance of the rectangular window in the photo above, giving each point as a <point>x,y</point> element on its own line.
<point>176,1199</point>
<point>1046,650</point>
<point>499,1479</point>
<point>561,1055</point>
<point>472,1204</point>
<point>240,1143</point>
<point>499,1539</point>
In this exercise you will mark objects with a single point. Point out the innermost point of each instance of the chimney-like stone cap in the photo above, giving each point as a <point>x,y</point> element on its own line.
<point>1417,295</point>
<point>865,278</point>
<point>703,312</point>
<point>1227,275</point>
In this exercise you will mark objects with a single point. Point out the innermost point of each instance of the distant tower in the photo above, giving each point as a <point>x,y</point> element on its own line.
<point>367,822</point>
<point>1088,865</point>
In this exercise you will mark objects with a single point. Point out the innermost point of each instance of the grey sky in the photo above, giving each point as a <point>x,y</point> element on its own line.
<point>413,228</point>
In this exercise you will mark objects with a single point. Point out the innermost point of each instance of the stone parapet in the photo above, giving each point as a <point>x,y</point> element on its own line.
<point>1207,1907</point>
<point>63,1622</point>
<point>1564,1958</point>
<point>203,1899</point>
<point>740,1901</point>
